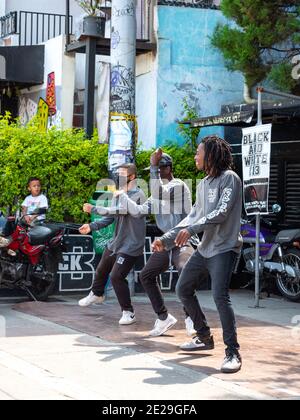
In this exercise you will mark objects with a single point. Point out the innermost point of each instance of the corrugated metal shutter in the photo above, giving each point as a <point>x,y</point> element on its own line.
<point>273,192</point>
<point>292,193</point>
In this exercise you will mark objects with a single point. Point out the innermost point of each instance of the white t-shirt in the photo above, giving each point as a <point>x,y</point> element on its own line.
<point>32,203</point>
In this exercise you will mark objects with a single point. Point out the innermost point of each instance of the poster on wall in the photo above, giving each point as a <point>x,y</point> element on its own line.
<point>50,95</point>
<point>42,115</point>
<point>256,155</point>
<point>120,142</point>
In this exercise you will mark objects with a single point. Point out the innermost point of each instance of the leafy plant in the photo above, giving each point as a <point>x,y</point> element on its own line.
<point>264,40</point>
<point>91,7</point>
<point>189,134</point>
<point>68,164</point>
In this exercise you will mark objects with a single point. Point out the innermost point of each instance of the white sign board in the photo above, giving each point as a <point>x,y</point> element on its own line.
<point>256,155</point>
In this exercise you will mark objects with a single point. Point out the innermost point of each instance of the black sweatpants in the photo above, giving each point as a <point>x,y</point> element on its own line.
<point>116,267</point>
<point>158,263</point>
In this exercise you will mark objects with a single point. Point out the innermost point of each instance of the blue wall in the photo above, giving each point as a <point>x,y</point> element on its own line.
<point>190,67</point>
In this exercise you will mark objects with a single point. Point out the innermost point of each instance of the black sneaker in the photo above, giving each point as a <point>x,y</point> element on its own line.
<point>198,343</point>
<point>232,362</point>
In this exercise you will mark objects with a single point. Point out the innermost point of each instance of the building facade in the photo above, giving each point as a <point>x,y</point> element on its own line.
<point>182,65</point>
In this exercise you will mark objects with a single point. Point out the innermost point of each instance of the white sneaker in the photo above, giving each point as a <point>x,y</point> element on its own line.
<point>198,344</point>
<point>232,363</point>
<point>160,327</point>
<point>128,318</point>
<point>189,325</point>
<point>91,299</point>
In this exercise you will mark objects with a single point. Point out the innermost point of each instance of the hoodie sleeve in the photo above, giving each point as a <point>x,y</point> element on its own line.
<point>231,190</point>
<point>136,207</point>
<point>168,238</point>
<point>100,224</point>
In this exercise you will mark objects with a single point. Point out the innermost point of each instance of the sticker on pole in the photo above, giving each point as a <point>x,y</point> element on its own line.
<point>256,155</point>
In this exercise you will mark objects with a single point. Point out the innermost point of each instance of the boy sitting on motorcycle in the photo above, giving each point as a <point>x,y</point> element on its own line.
<point>32,202</point>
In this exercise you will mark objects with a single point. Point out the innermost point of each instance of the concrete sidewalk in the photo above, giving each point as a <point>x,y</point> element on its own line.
<point>60,351</point>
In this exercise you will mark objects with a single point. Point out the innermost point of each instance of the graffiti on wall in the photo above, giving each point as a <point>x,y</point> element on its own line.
<point>122,90</point>
<point>27,110</point>
<point>45,109</point>
<point>50,95</point>
<point>43,115</point>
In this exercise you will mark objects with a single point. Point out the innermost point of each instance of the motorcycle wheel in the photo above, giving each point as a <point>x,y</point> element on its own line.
<point>289,287</point>
<point>41,289</point>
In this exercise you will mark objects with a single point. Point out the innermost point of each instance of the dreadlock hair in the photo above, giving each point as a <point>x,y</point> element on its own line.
<point>218,157</point>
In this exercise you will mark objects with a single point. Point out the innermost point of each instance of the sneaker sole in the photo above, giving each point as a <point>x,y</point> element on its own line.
<point>206,348</point>
<point>229,371</point>
<point>129,323</point>
<point>90,304</point>
<point>164,330</point>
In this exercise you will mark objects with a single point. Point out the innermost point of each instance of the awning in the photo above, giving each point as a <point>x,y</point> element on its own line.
<point>22,66</point>
<point>245,115</point>
<point>226,119</point>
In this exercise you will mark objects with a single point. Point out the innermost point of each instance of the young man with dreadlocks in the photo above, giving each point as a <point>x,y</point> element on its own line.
<point>217,214</point>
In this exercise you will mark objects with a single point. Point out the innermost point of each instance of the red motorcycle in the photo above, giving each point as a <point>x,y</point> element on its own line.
<point>30,255</point>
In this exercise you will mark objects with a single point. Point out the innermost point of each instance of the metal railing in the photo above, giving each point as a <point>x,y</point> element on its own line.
<point>36,28</point>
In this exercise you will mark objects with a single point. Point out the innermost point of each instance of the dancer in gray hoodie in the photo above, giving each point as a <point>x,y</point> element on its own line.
<point>217,215</point>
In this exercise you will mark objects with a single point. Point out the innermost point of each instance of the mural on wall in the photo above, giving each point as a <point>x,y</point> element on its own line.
<point>46,110</point>
<point>27,110</point>
<point>43,115</point>
<point>50,95</point>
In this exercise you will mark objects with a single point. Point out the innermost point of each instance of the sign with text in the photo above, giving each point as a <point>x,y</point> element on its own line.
<point>256,155</point>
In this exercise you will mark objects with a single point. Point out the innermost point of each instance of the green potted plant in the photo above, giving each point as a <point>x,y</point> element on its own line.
<point>94,21</point>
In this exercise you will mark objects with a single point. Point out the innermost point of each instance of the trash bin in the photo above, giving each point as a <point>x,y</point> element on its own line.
<point>103,236</point>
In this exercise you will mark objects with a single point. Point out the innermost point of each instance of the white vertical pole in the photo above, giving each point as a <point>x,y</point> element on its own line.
<point>123,64</point>
<point>257,247</point>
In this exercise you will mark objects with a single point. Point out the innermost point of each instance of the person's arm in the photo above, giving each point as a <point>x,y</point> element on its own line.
<point>45,203</point>
<point>123,205</point>
<point>134,209</point>
<point>100,224</point>
<point>168,239</point>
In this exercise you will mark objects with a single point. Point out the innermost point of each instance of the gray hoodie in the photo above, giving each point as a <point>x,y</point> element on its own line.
<point>217,213</point>
<point>130,232</point>
<point>170,202</point>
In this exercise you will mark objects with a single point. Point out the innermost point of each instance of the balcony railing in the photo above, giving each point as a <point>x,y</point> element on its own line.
<point>34,28</point>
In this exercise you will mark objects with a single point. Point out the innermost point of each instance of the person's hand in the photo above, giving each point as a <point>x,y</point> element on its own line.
<point>85,229</point>
<point>87,208</point>
<point>158,246</point>
<point>118,193</point>
<point>156,157</point>
<point>29,219</point>
<point>182,238</point>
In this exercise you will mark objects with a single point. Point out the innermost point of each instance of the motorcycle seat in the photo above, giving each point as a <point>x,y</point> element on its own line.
<point>40,235</point>
<point>288,236</point>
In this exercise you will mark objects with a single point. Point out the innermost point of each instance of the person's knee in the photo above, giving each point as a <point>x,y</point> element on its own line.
<point>146,277</point>
<point>115,280</point>
<point>182,290</point>
<point>221,297</point>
